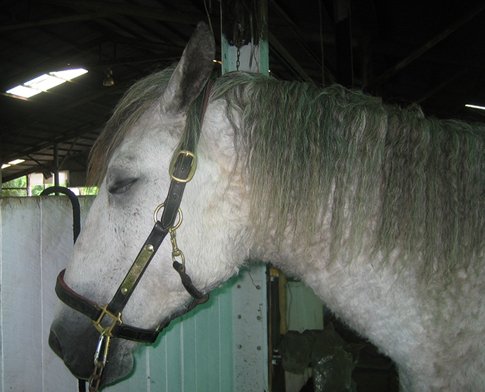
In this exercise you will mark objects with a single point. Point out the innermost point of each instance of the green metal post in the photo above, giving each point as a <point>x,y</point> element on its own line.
<point>244,38</point>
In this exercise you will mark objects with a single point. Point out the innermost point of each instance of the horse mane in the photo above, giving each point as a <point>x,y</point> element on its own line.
<point>138,99</point>
<point>135,102</point>
<point>382,173</point>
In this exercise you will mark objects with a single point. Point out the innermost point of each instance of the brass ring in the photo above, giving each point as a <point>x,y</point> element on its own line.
<point>179,215</point>
<point>157,210</point>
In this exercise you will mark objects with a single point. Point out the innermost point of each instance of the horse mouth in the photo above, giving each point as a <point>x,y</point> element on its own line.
<point>82,367</point>
<point>55,344</point>
<point>79,369</point>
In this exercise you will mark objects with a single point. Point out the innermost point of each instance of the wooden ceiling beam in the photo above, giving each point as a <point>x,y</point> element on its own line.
<point>66,137</point>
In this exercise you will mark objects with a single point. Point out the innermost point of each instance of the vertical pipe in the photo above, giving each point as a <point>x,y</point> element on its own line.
<point>56,167</point>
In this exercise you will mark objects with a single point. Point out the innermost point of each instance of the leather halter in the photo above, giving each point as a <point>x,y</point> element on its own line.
<point>159,231</point>
<point>107,319</point>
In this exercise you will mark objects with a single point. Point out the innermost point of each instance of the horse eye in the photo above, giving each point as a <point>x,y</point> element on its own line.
<point>121,186</point>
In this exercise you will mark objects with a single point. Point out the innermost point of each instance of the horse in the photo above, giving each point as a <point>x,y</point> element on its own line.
<point>377,208</point>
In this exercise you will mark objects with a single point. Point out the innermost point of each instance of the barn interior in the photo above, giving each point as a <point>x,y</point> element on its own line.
<point>425,53</point>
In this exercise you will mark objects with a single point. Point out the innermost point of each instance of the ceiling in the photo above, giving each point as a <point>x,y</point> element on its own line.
<point>427,52</point>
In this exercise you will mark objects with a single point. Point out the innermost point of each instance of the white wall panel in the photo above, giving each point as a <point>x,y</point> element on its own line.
<point>21,303</point>
<point>200,352</point>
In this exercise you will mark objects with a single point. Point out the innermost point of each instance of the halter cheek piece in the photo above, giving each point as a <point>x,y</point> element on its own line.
<point>107,319</point>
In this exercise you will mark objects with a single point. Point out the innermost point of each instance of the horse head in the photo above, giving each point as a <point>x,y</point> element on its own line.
<point>154,115</point>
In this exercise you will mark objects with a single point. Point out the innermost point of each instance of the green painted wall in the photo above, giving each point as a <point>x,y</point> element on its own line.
<point>219,347</point>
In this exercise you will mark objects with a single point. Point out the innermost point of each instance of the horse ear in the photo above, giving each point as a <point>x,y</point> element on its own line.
<point>192,71</point>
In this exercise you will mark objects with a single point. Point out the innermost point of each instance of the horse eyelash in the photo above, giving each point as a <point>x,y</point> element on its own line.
<point>122,186</point>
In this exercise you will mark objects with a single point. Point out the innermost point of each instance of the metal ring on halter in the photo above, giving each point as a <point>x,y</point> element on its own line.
<point>179,215</point>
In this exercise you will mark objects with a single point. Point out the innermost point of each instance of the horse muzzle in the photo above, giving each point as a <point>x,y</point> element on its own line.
<point>75,341</point>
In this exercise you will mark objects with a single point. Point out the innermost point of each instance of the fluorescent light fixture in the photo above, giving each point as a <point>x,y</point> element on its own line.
<point>22,91</point>
<point>12,163</point>
<point>16,161</point>
<point>69,74</point>
<point>45,82</point>
<point>468,105</point>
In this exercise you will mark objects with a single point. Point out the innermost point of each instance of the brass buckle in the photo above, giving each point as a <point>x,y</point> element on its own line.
<point>115,320</point>
<point>193,166</point>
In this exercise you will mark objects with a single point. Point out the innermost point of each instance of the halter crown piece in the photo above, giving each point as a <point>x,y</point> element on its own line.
<point>107,319</point>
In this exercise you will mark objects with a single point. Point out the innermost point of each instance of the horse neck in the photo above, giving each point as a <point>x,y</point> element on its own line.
<point>380,294</point>
<point>374,301</point>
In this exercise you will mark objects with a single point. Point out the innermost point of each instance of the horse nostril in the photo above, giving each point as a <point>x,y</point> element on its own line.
<point>55,344</point>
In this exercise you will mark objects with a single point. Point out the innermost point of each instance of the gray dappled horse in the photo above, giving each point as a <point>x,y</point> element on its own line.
<point>376,208</point>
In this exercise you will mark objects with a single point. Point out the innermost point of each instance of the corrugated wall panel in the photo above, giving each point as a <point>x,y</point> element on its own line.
<point>21,303</point>
<point>56,238</point>
<point>198,353</point>
<point>250,331</point>
<point>195,353</point>
<point>36,241</point>
<point>226,348</point>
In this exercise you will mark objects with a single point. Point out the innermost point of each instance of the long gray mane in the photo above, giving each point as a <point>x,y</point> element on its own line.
<point>420,180</point>
<point>384,174</point>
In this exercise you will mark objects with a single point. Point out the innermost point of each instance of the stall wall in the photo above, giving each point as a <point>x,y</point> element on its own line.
<point>222,346</point>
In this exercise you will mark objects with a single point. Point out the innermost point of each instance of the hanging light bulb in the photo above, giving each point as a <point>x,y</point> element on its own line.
<point>108,80</point>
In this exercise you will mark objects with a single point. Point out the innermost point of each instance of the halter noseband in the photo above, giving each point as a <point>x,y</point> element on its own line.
<point>107,319</point>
